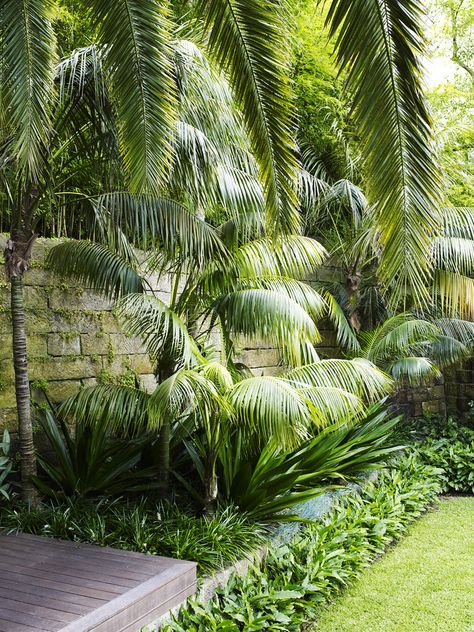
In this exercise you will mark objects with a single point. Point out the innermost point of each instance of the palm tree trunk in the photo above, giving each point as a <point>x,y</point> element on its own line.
<point>211,484</point>
<point>163,448</point>
<point>17,256</point>
<point>22,392</point>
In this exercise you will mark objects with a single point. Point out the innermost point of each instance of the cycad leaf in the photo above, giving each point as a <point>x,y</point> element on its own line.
<point>27,66</point>
<point>137,36</point>
<point>96,266</point>
<point>380,44</point>
<point>249,40</point>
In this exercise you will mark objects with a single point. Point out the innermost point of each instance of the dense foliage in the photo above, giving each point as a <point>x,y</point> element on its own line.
<point>299,577</point>
<point>144,527</point>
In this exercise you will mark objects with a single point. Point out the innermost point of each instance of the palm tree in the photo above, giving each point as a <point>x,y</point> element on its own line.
<point>248,40</point>
<point>135,49</point>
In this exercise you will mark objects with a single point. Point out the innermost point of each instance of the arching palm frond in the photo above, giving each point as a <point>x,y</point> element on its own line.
<point>269,316</point>
<point>137,36</point>
<point>357,376</point>
<point>269,408</point>
<point>248,39</point>
<point>455,343</point>
<point>454,293</point>
<point>97,267</point>
<point>330,406</point>
<point>344,333</point>
<point>292,256</point>
<point>397,335</point>
<point>414,369</point>
<point>186,391</point>
<point>380,44</point>
<point>119,408</point>
<point>458,222</point>
<point>454,254</point>
<point>27,75</point>
<point>159,328</point>
<point>161,223</point>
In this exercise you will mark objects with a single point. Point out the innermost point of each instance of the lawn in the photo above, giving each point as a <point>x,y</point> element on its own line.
<point>425,584</point>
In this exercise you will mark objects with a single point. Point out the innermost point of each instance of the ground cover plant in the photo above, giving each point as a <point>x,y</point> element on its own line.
<point>144,526</point>
<point>299,577</point>
<point>425,583</point>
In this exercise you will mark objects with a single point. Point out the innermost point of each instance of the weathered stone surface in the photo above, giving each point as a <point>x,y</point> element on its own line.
<point>35,297</point>
<point>61,390</point>
<point>37,322</point>
<point>268,370</point>
<point>74,299</point>
<point>63,344</point>
<point>36,347</point>
<point>258,357</point>
<point>7,397</point>
<point>124,345</point>
<point>75,321</point>
<point>7,419</point>
<point>95,344</point>
<point>109,323</point>
<point>5,347</point>
<point>148,382</point>
<point>68,368</point>
<point>40,277</point>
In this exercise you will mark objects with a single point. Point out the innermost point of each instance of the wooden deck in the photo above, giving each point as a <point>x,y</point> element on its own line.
<point>51,585</point>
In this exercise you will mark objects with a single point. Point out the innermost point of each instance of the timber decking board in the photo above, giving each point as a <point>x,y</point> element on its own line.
<point>51,585</point>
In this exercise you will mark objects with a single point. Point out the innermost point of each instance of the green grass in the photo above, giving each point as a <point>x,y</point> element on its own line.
<point>424,584</point>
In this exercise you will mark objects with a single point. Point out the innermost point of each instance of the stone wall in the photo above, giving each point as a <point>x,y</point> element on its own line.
<point>74,339</point>
<point>459,387</point>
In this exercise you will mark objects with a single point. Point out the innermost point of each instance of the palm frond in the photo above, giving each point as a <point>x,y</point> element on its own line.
<point>96,266</point>
<point>357,376</point>
<point>414,369</point>
<point>268,407</point>
<point>458,222</point>
<point>152,222</point>
<point>162,331</point>
<point>119,408</point>
<point>137,36</point>
<point>380,44</point>
<point>249,40</point>
<point>455,254</point>
<point>331,405</point>
<point>344,332</point>
<point>186,391</point>
<point>455,293</point>
<point>292,256</point>
<point>27,65</point>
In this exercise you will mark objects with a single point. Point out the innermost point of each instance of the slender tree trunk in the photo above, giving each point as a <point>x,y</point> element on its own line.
<point>211,485</point>
<point>22,391</point>
<point>163,449</point>
<point>17,255</point>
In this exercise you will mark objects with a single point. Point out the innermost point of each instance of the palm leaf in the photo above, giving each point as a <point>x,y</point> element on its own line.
<point>357,376</point>
<point>268,407</point>
<point>249,40</point>
<point>116,407</point>
<point>162,331</point>
<point>455,293</point>
<point>96,266</point>
<point>27,66</point>
<point>380,44</point>
<point>414,369</point>
<point>137,36</point>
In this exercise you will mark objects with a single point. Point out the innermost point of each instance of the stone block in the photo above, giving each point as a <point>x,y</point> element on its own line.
<point>75,321</point>
<point>35,297</point>
<point>7,396</point>
<point>8,419</point>
<point>65,368</point>
<point>148,382</point>
<point>5,347</point>
<point>40,277</point>
<point>258,357</point>
<point>433,407</point>
<point>109,323</point>
<point>64,344</point>
<point>124,345</point>
<point>38,322</point>
<point>90,381</point>
<point>95,344</point>
<point>6,371</point>
<point>36,346</point>
<point>73,299</point>
<point>272,371</point>
<point>5,322</point>
<point>141,364</point>
<point>4,295</point>
<point>60,390</point>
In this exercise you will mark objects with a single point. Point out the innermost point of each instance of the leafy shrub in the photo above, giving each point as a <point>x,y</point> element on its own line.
<point>164,530</point>
<point>6,465</point>
<point>450,447</point>
<point>88,461</point>
<point>323,558</point>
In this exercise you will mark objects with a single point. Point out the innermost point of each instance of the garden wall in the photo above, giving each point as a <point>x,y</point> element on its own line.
<point>75,340</point>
